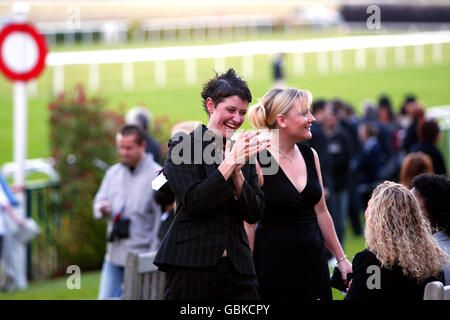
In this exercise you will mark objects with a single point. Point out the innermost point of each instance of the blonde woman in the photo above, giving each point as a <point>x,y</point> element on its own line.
<point>401,255</point>
<point>290,239</point>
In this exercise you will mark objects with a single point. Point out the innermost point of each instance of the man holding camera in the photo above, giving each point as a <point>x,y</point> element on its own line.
<point>126,198</point>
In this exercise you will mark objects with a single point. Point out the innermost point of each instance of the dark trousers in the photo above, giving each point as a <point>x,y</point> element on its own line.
<point>220,282</point>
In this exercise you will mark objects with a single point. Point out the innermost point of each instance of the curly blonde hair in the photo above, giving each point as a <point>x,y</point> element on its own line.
<point>398,234</point>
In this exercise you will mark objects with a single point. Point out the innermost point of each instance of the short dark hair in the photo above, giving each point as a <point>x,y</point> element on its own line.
<point>430,131</point>
<point>384,100</point>
<point>223,86</point>
<point>337,104</point>
<point>408,99</point>
<point>435,189</point>
<point>130,130</point>
<point>318,105</point>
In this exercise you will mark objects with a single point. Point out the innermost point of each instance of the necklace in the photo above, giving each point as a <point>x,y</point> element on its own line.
<point>284,155</point>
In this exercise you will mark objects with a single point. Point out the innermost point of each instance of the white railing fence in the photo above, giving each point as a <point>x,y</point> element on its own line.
<point>324,48</point>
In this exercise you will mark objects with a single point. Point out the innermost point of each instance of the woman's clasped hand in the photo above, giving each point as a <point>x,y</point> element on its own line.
<point>246,145</point>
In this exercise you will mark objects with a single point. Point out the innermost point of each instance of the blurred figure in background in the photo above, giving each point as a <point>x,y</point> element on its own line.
<point>433,192</point>
<point>350,122</point>
<point>391,168</point>
<point>141,117</point>
<point>340,154</point>
<point>385,113</point>
<point>404,118</point>
<point>414,164</point>
<point>430,135</point>
<point>368,164</point>
<point>126,199</point>
<point>278,71</point>
<point>185,126</point>
<point>319,142</point>
<point>11,263</point>
<point>384,139</point>
<point>164,196</point>
<point>416,114</point>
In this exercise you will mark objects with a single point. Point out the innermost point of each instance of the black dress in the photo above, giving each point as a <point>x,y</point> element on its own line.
<point>289,250</point>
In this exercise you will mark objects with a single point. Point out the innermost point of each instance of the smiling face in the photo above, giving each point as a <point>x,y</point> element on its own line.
<point>297,122</point>
<point>227,116</point>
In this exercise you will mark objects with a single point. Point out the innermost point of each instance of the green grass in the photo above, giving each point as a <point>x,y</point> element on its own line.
<point>56,289</point>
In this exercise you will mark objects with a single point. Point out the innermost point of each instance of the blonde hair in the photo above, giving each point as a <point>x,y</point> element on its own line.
<point>414,164</point>
<point>185,126</point>
<point>398,234</point>
<point>263,115</point>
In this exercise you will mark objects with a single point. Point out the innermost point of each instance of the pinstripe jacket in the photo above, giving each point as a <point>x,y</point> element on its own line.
<point>209,218</point>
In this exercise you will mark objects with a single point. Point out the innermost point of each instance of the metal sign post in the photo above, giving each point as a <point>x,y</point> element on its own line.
<point>22,58</point>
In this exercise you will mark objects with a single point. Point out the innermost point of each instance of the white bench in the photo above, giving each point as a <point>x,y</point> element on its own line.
<point>142,280</point>
<point>436,291</point>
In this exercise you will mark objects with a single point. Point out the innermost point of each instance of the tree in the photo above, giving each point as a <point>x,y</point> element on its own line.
<point>82,135</point>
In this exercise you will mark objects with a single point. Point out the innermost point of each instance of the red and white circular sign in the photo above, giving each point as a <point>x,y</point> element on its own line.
<point>22,52</point>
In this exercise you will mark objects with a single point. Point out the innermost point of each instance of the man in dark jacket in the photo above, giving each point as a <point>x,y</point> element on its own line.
<point>339,152</point>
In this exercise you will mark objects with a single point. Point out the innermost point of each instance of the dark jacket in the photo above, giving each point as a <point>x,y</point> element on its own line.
<point>394,285</point>
<point>339,150</point>
<point>410,136</point>
<point>153,147</point>
<point>368,163</point>
<point>435,155</point>
<point>208,217</point>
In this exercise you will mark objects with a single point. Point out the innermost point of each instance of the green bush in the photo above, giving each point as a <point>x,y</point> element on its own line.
<point>82,132</point>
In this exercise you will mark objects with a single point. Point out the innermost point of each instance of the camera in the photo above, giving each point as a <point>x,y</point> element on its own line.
<point>120,229</point>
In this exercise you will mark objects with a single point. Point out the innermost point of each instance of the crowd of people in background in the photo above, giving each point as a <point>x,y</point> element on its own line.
<point>359,152</point>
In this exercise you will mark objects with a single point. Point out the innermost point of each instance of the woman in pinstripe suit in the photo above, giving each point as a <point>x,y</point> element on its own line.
<point>205,252</point>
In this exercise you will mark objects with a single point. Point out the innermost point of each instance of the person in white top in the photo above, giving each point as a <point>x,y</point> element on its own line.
<point>8,256</point>
<point>126,199</point>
